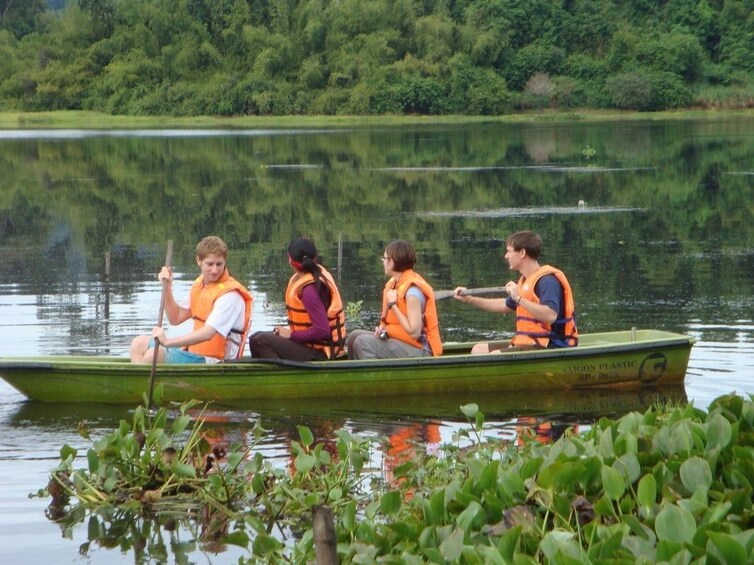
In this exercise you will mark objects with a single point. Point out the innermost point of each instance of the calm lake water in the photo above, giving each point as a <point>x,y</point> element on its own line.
<point>652,222</point>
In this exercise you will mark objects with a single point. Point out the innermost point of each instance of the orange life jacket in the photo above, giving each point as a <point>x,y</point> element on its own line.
<point>298,317</point>
<point>202,299</point>
<point>431,324</point>
<point>529,330</point>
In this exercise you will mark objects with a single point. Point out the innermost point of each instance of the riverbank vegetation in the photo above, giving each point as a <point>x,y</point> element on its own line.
<point>673,484</point>
<point>316,57</point>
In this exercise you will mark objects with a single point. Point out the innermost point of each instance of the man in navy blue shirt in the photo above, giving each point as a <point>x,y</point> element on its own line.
<point>541,299</point>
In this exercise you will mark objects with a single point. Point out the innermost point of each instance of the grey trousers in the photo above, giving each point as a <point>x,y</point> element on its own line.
<point>363,344</point>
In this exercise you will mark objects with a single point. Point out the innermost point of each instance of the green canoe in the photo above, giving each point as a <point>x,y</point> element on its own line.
<point>623,359</point>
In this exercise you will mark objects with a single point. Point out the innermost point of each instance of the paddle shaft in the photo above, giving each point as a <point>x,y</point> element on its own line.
<point>168,261</point>
<point>440,294</point>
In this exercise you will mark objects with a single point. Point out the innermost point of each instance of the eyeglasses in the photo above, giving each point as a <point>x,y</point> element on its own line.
<point>384,258</point>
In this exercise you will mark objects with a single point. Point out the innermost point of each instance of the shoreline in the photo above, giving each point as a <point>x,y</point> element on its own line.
<point>96,120</point>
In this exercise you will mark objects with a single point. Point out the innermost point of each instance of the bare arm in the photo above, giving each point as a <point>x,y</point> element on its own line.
<point>412,321</point>
<point>205,333</point>
<point>176,315</point>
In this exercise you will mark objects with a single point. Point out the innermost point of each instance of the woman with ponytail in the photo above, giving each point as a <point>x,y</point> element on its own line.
<point>316,327</point>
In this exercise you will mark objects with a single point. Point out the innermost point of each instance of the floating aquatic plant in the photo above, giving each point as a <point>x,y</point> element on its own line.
<point>673,484</point>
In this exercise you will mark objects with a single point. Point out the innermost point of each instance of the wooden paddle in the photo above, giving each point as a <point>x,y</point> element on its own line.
<point>168,261</point>
<point>440,294</point>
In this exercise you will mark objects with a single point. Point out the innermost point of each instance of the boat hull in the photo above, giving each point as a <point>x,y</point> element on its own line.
<point>612,359</point>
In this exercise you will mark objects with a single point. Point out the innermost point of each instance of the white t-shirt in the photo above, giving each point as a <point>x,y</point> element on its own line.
<point>228,313</point>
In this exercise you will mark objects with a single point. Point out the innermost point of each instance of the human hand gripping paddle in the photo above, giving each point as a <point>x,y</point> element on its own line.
<point>168,261</point>
<point>441,294</point>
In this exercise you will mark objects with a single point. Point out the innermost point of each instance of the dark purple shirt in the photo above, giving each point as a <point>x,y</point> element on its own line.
<point>320,329</point>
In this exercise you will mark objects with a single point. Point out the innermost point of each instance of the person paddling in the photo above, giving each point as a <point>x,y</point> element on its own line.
<point>219,305</point>
<point>541,299</point>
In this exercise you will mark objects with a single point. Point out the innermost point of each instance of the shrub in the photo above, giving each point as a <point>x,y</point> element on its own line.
<point>647,90</point>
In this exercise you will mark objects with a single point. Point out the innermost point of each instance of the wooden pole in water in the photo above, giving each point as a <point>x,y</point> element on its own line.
<point>340,256</point>
<point>323,526</point>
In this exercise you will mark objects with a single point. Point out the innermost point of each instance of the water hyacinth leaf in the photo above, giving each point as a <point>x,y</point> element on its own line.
<point>427,537</point>
<point>646,493</point>
<point>466,518</point>
<point>401,531</point>
<point>682,437</point>
<point>67,452</point>
<point>662,441</point>
<point>508,543</point>
<point>605,549</point>
<point>404,469</point>
<point>718,512</point>
<point>234,459</point>
<point>357,462</point>
<point>559,544</point>
<point>675,524</point>
<point>511,485</point>
<point>93,529</point>
<point>110,484</point>
<point>452,546</point>
<point>719,432</point>
<point>727,547</point>
<point>323,456</point>
<point>640,529</point>
<point>390,502</point>
<point>239,538</point>
<point>641,550</point>
<point>265,544</point>
<point>180,424</point>
<point>435,508</point>
<point>696,504</point>
<point>672,551</point>
<point>257,483</point>
<point>479,421</point>
<point>628,465</point>
<point>93,460</point>
<point>470,410</point>
<point>696,474</point>
<point>349,516</point>
<point>604,507</point>
<point>305,462</point>
<point>613,483</point>
<point>335,493</point>
<point>488,476</point>
<point>560,475</point>
<point>432,554</point>
<point>471,556</point>
<point>306,435</point>
<point>530,467</point>
<point>605,446</point>
<point>491,555</point>
<point>312,499</point>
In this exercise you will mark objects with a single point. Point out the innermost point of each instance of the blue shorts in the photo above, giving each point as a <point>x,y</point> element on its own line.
<point>179,356</point>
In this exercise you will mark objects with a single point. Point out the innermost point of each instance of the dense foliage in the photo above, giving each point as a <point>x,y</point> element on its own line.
<point>673,484</point>
<point>236,57</point>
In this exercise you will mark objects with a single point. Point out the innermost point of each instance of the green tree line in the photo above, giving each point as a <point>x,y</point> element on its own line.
<point>281,57</point>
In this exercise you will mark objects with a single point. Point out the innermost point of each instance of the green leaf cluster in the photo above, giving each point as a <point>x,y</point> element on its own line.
<point>672,484</point>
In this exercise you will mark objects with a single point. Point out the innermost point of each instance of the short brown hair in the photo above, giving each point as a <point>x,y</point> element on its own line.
<point>402,253</point>
<point>211,245</point>
<point>527,240</point>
